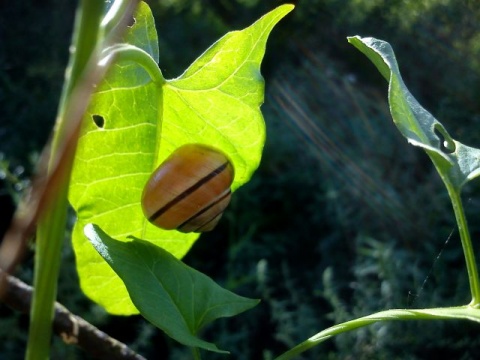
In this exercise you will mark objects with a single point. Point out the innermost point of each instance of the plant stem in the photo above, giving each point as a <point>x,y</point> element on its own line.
<point>125,52</point>
<point>466,244</point>
<point>462,312</point>
<point>114,15</point>
<point>47,264</point>
<point>196,353</point>
<point>51,227</point>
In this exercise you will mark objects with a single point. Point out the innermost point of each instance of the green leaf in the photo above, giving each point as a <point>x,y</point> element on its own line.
<point>136,120</point>
<point>172,296</point>
<point>217,100</point>
<point>456,162</point>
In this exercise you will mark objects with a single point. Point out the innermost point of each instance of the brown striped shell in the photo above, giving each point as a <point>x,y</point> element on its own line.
<point>190,190</point>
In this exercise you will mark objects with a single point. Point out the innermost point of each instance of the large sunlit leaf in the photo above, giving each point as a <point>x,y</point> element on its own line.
<point>134,123</point>
<point>456,162</point>
<point>174,297</point>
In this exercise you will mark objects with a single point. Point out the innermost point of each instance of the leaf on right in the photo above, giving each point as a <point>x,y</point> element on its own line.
<point>455,162</point>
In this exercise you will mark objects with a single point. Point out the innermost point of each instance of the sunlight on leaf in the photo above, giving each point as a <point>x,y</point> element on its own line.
<point>216,101</point>
<point>134,123</point>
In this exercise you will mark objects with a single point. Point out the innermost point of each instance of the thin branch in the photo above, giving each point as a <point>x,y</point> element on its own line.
<point>70,327</point>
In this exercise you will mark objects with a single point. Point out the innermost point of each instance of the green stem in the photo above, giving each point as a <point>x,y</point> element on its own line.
<point>469,312</point>
<point>50,235</point>
<point>125,52</point>
<point>462,312</point>
<point>114,15</point>
<point>466,244</point>
<point>85,40</point>
<point>51,227</point>
<point>196,353</point>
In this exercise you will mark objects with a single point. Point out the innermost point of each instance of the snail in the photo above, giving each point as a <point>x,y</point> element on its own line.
<point>190,190</point>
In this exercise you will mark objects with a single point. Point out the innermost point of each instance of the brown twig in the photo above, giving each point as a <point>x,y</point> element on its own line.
<point>71,328</point>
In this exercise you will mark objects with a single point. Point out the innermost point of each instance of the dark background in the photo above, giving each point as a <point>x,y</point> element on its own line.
<point>343,218</point>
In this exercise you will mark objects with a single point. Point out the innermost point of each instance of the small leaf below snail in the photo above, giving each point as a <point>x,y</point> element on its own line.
<point>180,304</point>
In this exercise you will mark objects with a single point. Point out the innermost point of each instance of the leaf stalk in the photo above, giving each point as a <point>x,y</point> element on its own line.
<point>125,52</point>
<point>465,238</point>
<point>461,312</point>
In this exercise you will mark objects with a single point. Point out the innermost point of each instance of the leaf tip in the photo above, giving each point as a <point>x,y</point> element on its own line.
<point>351,39</point>
<point>283,10</point>
<point>90,232</point>
<point>288,7</point>
<point>94,234</point>
<point>357,39</point>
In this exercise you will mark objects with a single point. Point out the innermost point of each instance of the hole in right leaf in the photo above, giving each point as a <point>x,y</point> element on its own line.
<point>447,145</point>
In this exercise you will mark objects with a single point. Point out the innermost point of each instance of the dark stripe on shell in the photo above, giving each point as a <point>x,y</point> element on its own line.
<point>188,191</point>
<point>227,194</point>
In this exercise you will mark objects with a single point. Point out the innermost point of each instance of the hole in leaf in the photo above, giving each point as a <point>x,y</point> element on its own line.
<point>131,22</point>
<point>447,145</point>
<point>99,120</point>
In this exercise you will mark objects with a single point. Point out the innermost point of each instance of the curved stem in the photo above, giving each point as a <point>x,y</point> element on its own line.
<point>462,312</point>
<point>125,52</point>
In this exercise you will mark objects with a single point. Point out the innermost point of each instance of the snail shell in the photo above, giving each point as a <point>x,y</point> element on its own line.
<point>190,190</point>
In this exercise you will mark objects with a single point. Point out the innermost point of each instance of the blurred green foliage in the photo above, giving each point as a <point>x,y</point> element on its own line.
<point>343,217</point>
